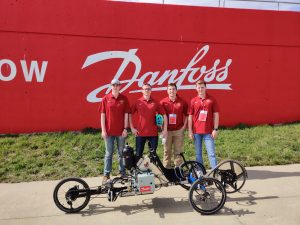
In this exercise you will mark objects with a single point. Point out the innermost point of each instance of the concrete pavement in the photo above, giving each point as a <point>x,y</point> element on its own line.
<point>270,196</point>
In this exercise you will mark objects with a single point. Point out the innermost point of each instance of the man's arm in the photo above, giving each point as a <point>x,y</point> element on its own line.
<point>216,118</point>
<point>133,130</point>
<point>185,120</point>
<point>124,133</point>
<point>103,128</point>
<point>190,127</point>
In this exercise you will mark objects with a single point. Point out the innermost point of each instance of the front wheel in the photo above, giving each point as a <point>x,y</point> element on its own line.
<point>71,195</point>
<point>207,195</point>
<point>191,171</point>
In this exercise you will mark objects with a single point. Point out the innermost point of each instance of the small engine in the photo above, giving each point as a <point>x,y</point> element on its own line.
<point>145,183</point>
<point>142,179</point>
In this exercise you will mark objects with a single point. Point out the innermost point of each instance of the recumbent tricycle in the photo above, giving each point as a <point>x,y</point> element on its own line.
<point>207,192</point>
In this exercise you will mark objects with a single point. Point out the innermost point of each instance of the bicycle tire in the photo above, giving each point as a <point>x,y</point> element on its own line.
<point>71,195</point>
<point>207,195</point>
<point>232,175</point>
<point>185,173</point>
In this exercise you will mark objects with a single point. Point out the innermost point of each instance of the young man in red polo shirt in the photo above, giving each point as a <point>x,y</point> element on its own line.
<point>177,112</point>
<point>146,109</point>
<point>114,110</point>
<point>203,123</point>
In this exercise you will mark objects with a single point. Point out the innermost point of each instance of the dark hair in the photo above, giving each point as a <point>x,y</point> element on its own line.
<point>199,82</point>
<point>172,85</point>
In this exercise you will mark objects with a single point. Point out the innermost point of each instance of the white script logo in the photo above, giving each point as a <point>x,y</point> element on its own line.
<point>214,76</point>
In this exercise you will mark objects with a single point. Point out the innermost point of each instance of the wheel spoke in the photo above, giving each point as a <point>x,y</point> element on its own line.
<point>232,167</point>
<point>232,185</point>
<point>240,175</point>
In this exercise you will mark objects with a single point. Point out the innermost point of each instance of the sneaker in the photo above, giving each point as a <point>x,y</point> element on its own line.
<point>105,179</point>
<point>122,175</point>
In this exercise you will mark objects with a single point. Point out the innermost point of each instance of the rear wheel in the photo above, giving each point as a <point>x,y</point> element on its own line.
<point>232,175</point>
<point>71,195</point>
<point>191,171</point>
<point>207,195</point>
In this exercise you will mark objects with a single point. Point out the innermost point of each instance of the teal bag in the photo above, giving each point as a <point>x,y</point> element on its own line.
<point>159,120</point>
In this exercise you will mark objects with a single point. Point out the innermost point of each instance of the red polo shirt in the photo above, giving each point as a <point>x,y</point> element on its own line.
<point>176,111</point>
<point>208,104</point>
<point>146,111</point>
<point>114,109</point>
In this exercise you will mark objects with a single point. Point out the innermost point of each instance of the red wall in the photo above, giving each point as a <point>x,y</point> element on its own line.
<point>261,49</point>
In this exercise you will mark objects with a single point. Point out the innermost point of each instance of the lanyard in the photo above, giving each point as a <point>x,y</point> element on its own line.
<point>203,104</point>
<point>172,106</point>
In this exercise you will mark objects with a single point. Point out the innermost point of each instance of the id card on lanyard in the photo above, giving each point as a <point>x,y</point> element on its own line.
<point>203,112</point>
<point>172,118</point>
<point>203,115</point>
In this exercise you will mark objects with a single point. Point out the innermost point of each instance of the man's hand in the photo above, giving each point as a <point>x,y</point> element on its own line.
<point>124,133</point>
<point>191,135</point>
<point>134,131</point>
<point>182,129</point>
<point>104,134</point>
<point>165,134</point>
<point>214,134</point>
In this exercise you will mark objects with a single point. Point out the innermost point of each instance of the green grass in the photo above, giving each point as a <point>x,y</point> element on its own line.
<point>48,156</point>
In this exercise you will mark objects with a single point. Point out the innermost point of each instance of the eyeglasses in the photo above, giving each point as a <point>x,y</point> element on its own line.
<point>147,89</point>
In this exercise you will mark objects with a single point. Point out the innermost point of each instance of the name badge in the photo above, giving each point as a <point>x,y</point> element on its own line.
<point>172,118</point>
<point>203,115</point>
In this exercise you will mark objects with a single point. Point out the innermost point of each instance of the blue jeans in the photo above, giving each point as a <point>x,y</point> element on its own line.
<point>210,148</point>
<point>140,144</point>
<point>109,149</point>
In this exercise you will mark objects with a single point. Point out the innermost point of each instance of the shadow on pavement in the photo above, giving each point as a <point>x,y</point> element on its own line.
<point>160,206</point>
<point>247,199</point>
<point>265,174</point>
<point>163,206</point>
